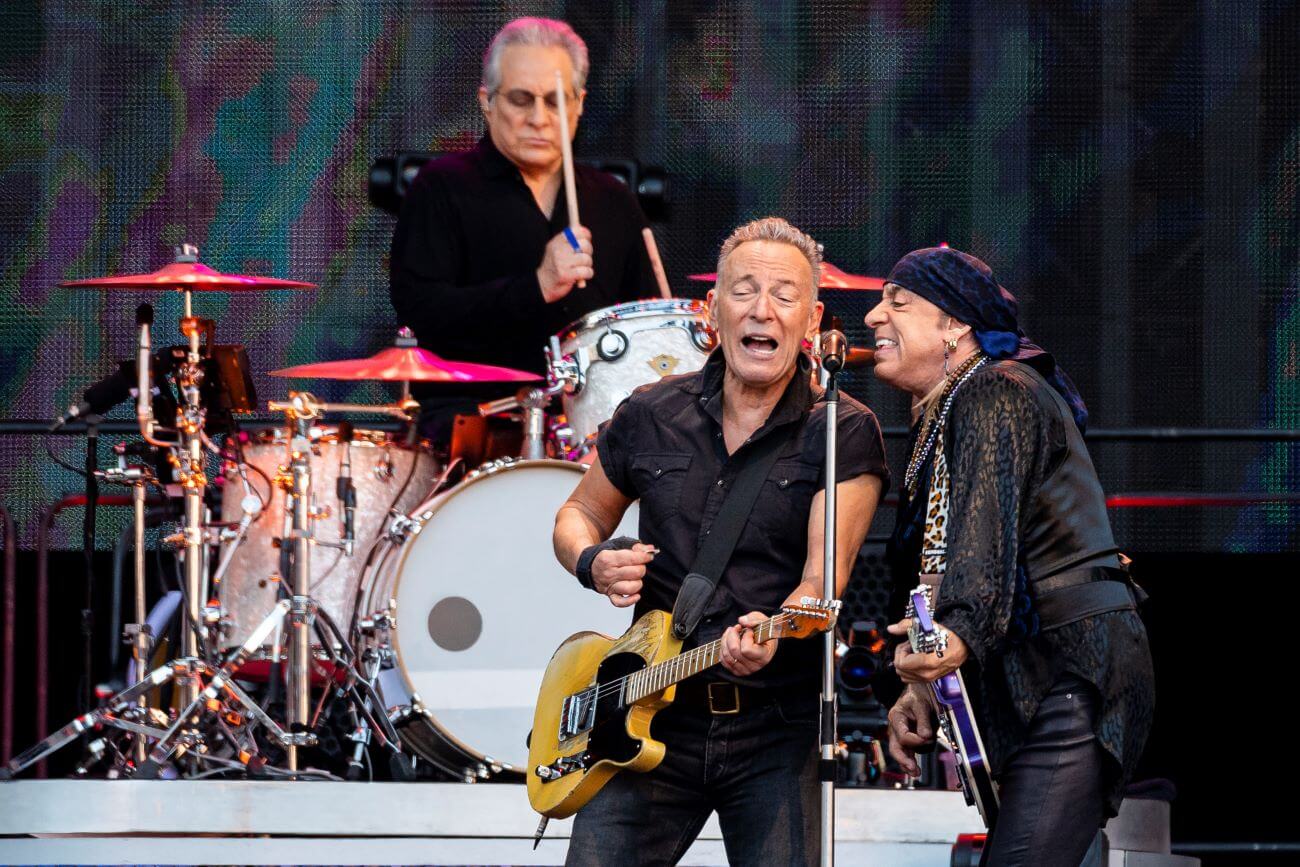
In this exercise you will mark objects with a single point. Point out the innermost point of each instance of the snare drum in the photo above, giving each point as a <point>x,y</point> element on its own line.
<point>610,352</point>
<point>387,476</point>
<point>472,604</point>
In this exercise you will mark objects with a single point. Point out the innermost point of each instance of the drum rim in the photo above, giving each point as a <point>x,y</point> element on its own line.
<point>631,310</point>
<point>423,518</point>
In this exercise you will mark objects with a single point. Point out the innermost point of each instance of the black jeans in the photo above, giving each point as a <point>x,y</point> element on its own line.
<point>757,769</point>
<point>1051,791</point>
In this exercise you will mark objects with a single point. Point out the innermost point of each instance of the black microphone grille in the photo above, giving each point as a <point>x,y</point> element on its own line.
<point>144,314</point>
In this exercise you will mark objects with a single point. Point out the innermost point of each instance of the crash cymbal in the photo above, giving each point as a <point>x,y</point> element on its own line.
<point>194,276</point>
<point>832,278</point>
<point>409,364</point>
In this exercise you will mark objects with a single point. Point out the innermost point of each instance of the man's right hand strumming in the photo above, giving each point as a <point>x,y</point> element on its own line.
<point>618,574</point>
<point>562,266</point>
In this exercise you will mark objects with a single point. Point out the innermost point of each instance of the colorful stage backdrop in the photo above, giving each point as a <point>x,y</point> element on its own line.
<point>1129,170</point>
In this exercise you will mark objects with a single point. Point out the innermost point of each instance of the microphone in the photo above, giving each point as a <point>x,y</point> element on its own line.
<point>346,490</point>
<point>834,346</point>
<point>103,395</point>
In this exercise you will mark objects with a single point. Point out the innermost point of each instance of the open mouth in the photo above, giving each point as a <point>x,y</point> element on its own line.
<point>760,345</point>
<point>885,345</point>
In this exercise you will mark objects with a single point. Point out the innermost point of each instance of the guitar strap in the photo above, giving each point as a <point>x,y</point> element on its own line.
<point>714,553</point>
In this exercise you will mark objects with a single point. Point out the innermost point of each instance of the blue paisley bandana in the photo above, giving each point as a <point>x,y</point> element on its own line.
<point>963,287</point>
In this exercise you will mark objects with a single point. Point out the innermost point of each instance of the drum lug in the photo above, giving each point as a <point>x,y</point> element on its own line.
<point>490,467</point>
<point>401,526</point>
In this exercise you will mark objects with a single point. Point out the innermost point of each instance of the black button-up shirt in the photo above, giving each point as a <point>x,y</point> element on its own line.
<point>466,250</point>
<point>664,447</point>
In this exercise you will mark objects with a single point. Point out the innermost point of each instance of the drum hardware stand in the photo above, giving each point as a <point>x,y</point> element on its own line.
<point>137,634</point>
<point>833,349</point>
<point>187,456</point>
<point>533,402</point>
<point>302,409</point>
<point>118,710</point>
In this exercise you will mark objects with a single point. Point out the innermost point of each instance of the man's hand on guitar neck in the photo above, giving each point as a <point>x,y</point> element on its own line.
<point>913,667</point>
<point>741,654</point>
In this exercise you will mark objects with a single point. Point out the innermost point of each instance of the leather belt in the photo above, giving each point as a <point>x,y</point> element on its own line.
<point>721,697</point>
<point>1072,595</point>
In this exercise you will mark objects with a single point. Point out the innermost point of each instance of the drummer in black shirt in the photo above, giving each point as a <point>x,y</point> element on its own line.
<point>481,269</point>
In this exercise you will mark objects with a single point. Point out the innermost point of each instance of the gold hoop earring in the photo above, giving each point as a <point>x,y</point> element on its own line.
<point>952,345</point>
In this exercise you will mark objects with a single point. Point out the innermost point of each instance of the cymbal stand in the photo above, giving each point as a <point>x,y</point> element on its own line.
<point>117,711</point>
<point>302,409</point>
<point>187,456</point>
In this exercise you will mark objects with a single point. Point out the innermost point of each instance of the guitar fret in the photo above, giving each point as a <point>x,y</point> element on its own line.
<point>660,676</point>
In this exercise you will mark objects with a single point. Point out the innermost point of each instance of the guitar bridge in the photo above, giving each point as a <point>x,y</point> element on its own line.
<point>578,714</point>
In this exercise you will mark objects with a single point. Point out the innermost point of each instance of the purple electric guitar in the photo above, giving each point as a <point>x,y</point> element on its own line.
<point>956,718</point>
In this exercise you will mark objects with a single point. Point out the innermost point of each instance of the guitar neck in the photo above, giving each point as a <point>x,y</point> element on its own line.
<point>662,675</point>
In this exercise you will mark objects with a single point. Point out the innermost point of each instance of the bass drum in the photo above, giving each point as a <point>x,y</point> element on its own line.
<point>472,604</point>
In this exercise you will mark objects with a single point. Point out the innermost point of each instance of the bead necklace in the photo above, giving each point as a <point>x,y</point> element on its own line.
<point>934,421</point>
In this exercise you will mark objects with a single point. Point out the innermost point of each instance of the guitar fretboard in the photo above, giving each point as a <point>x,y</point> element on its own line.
<point>662,675</point>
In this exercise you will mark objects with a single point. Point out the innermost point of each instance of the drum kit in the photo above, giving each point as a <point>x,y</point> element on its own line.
<point>357,567</point>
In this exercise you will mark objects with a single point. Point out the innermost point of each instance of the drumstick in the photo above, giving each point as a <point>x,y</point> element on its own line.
<point>566,156</point>
<point>656,264</point>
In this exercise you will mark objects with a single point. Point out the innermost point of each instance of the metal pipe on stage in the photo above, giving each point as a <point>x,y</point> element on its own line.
<point>833,346</point>
<point>299,703</point>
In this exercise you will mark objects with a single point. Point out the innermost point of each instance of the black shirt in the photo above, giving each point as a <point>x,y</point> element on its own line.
<point>664,447</point>
<point>466,250</point>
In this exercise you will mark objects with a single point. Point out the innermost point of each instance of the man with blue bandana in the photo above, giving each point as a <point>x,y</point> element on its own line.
<point>1002,512</point>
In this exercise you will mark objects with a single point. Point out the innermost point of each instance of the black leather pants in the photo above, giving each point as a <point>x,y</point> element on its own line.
<point>1051,791</point>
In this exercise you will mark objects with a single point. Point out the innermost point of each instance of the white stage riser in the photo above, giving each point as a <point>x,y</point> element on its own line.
<point>123,822</point>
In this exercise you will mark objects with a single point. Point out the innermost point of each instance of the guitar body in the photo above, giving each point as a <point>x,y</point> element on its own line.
<point>956,716</point>
<point>619,736</point>
<point>958,724</point>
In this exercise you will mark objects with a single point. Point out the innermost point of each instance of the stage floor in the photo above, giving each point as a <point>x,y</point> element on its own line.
<point>213,821</point>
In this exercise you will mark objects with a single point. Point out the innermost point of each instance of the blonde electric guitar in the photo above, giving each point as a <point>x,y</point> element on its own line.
<point>599,695</point>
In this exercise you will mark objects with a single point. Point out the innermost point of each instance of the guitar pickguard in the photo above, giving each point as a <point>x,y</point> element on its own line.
<point>609,738</point>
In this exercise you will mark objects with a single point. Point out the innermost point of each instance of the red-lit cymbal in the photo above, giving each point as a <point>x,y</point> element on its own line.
<point>194,276</point>
<point>407,363</point>
<point>832,278</point>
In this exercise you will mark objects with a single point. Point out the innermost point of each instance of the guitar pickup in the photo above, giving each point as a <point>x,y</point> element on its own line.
<point>578,714</point>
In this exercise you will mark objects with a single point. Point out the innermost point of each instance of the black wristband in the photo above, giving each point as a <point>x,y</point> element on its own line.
<point>588,556</point>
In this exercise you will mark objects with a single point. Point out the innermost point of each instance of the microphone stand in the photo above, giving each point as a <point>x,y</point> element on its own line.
<point>832,364</point>
<point>85,699</point>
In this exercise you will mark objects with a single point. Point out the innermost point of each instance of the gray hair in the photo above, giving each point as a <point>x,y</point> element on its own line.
<point>546,32</point>
<point>780,231</point>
